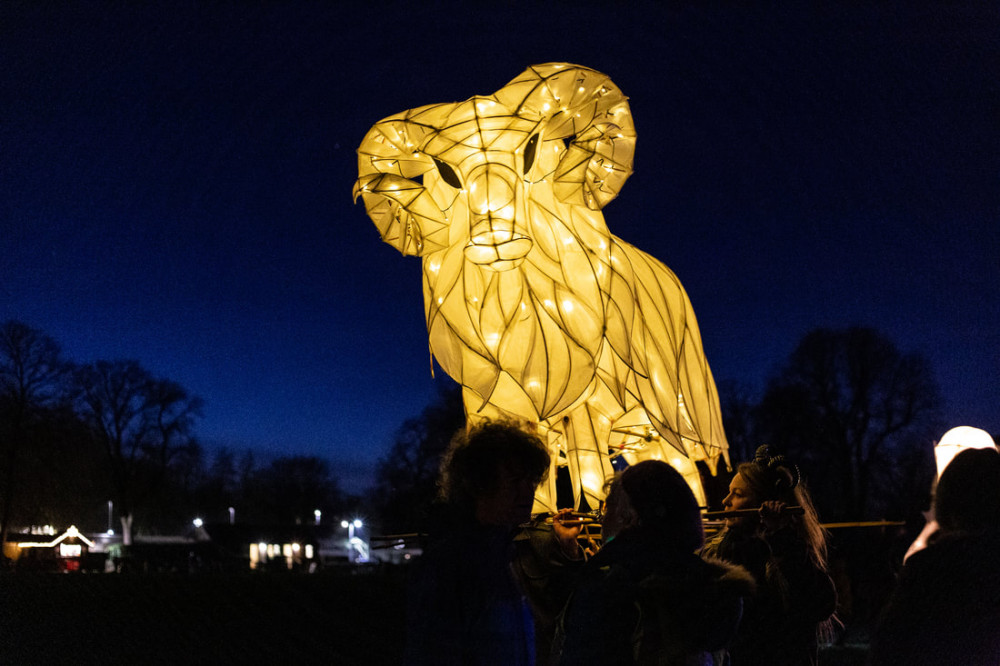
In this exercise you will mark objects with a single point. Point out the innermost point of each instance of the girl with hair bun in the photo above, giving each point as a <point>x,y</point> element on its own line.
<point>785,551</point>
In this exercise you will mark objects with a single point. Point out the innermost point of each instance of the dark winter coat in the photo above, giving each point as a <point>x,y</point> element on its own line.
<point>794,597</point>
<point>946,606</point>
<point>547,578</point>
<point>464,607</point>
<point>639,601</point>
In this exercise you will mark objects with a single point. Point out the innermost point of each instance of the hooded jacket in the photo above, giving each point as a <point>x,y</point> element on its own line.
<point>641,601</point>
<point>794,597</point>
<point>946,605</point>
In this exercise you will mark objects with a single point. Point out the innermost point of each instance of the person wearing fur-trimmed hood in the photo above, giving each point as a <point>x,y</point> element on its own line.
<point>646,597</point>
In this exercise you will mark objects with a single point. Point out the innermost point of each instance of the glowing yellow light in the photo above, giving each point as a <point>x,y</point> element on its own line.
<point>592,480</point>
<point>509,246</point>
<point>957,440</point>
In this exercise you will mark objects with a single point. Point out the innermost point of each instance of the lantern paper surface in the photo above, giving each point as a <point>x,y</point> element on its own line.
<point>532,305</point>
<point>957,440</point>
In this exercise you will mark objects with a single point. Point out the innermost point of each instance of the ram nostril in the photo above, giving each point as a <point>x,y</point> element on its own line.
<point>514,249</point>
<point>481,255</point>
<point>503,257</point>
<point>496,244</point>
<point>492,231</point>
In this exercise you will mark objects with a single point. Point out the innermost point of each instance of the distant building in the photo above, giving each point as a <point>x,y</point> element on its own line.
<point>43,550</point>
<point>203,548</point>
<point>267,548</point>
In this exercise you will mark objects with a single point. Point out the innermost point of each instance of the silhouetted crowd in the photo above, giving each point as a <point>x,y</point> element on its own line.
<point>496,586</point>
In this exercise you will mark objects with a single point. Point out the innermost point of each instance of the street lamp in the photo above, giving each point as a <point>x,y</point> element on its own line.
<point>355,544</point>
<point>350,525</point>
<point>232,515</point>
<point>197,522</point>
<point>318,514</point>
<point>111,506</point>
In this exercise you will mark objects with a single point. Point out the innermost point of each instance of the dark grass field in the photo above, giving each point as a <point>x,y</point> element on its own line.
<point>332,617</point>
<point>325,618</point>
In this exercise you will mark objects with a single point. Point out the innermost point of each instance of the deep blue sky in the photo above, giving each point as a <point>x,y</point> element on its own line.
<point>175,187</point>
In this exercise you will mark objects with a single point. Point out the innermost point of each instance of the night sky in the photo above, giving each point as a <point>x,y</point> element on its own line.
<point>175,187</point>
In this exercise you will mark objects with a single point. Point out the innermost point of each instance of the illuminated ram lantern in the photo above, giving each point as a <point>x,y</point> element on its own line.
<point>532,305</point>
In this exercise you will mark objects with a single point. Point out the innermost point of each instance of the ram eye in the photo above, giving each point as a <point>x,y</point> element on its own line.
<point>530,150</point>
<point>448,174</point>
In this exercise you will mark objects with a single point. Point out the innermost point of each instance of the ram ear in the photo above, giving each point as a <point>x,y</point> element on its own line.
<point>390,159</point>
<point>404,213</point>
<point>583,107</point>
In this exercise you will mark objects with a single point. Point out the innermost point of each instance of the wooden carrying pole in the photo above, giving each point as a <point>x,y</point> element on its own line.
<point>739,513</point>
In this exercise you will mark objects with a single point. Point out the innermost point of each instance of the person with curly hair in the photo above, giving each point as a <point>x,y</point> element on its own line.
<point>786,552</point>
<point>464,605</point>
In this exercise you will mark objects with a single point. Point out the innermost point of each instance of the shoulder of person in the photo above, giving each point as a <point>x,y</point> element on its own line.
<point>708,576</point>
<point>730,577</point>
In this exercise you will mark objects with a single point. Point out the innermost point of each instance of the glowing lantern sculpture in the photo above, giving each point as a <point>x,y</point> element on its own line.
<point>532,305</point>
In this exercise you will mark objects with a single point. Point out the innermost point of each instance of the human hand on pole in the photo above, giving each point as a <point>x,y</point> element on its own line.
<point>773,515</point>
<point>567,526</point>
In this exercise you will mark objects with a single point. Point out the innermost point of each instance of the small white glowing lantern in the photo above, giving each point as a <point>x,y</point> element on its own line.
<point>957,440</point>
<point>532,305</point>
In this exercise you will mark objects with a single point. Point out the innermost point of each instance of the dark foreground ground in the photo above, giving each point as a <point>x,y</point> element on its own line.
<point>279,619</point>
<point>338,618</point>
